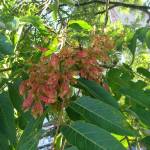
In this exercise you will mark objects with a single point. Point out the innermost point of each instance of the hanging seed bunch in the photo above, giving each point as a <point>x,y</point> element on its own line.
<point>50,81</point>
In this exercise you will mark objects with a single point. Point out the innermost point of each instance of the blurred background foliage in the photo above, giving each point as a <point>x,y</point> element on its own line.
<point>27,26</point>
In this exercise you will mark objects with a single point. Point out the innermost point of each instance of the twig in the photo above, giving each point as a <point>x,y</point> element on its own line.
<point>63,145</point>
<point>106,17</point>
<point>58,125</point>
<point>130,148</point>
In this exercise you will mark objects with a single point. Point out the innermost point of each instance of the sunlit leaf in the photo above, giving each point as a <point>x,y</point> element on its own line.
<point>79,24</point>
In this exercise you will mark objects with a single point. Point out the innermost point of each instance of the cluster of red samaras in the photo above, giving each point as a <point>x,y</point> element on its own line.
<point>50,80</point>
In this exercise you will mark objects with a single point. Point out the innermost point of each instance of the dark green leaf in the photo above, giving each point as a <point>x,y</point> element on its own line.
<point>98,92</point>
<point>86,136</point>
<point>15,96</point>
<point>141,33</point>
<point>147,40</point>
<point>132,44</point>
<point>102,114</point>
<point>31,135</point>
<point>73,115</point>
<point>144,115</point>
<point>13,24</point>
<point>7,117</point>
<point>3,142</point>
<point>146,142</point>
<point>137,95</point>
<point>6,46</point>
<point>71,148</point>
<point>144,72</point>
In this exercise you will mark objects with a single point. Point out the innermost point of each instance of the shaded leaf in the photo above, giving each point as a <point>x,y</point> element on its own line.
<point>132,44</point>
<point>71,148</point>
<point>7,126</point>
<point>73,115</point>
<point>86,136</point>
<point>13,24</point>
<point>14,95</point>
<point>144,72</point>
<point>102,115</point>
<point>31,135</point>
<point>147,40</point>
<point>144,115</point>
<point>146,142</point>
<point>6,46</point>
<point>138,96</point>
<point>69,2</point>
<point>3,142</point>
<point>98,92</point>
<point>141,34</point>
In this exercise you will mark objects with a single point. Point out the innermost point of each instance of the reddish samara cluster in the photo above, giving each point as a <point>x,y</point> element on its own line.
<point>52,78</point>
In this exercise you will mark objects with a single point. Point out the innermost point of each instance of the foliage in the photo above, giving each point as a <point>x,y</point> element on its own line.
<point>66,62</point>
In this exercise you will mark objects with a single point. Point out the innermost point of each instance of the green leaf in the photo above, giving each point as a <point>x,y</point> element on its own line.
<point>144,115</point>
<point>6,46</point>
<point>7,126</point>
<point>146,142</point>
<point>69,2</point>
<point>14,95</point>
<point>137,95</point>
<point>12,24</point>
<point>86,136</point>
<point>31,135</point>
<point>98,92</point>
<point>147,40</point>
<point>52,47</point>
<point>71,148</point>
<point>144,72</point>
<point>132,44</point>
<point>3,142</point>
<point>141,34</point>
<point>73,115</point>
<point>55,8</point>
<point>103,115</point>
<point>36,21</point>
<point>79,24</point>
<point>23,119</point>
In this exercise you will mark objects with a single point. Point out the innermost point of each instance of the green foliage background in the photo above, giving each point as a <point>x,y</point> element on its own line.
<point>114,120</point>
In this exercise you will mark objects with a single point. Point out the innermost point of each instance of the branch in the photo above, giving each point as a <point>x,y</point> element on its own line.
<point>106,17</point>
<point>103,11</point>
<point>115,4</point>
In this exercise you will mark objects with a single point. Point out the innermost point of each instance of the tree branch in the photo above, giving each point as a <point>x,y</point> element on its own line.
<point>103,11</point>
<point>115,4</point>
<point>106,16</point>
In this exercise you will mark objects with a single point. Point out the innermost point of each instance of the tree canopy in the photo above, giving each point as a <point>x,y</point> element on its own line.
<point>83,66</point>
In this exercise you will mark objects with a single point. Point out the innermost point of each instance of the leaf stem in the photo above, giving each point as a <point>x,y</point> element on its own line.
<point>59,121</point>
